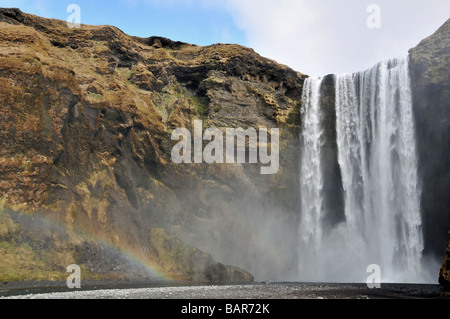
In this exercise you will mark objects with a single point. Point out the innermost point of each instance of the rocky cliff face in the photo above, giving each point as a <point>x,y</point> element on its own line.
<point>430,78</point>
<point>85,143</point>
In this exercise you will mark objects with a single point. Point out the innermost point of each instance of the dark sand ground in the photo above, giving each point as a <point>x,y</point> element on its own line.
<point>267,290</point>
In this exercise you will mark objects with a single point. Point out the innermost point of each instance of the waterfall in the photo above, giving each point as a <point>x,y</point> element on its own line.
<point>377,159</point>
<point>311,181</point>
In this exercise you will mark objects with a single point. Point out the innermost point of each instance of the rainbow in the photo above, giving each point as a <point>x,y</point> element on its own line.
<point>130,254</point>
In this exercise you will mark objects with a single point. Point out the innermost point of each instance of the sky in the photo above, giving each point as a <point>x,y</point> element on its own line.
<point>314,37</point>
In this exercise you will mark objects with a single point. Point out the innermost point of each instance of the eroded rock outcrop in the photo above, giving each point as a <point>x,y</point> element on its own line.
<point>85,143</point>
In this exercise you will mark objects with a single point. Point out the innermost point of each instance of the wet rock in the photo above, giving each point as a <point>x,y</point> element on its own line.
<point>219,273</point>
<point>444,274</point>
<point>430,81</point>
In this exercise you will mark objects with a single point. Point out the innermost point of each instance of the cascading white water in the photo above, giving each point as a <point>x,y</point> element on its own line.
<point>377,158</point>
<point>311,176</point>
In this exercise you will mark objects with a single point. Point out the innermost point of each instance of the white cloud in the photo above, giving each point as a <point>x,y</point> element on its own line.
<point>323,36</point>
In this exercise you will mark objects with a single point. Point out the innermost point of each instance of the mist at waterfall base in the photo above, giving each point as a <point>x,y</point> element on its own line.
<point>357,201</point>
<point>366,209</point>
<point>357,198</point>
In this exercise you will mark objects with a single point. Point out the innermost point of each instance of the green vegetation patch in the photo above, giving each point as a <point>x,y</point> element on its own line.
<point>174,256</point>
<point>18,262</point>
<point>7,225</point>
